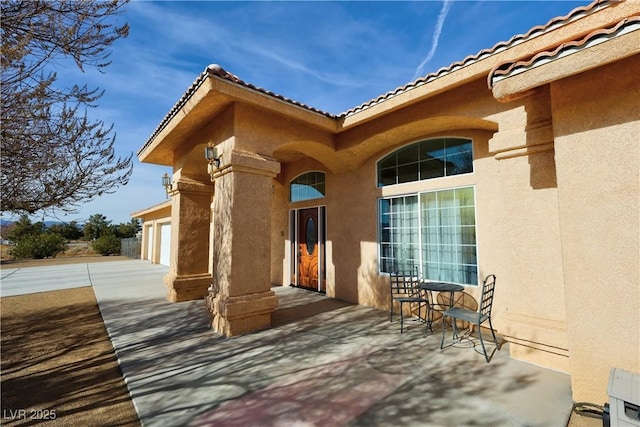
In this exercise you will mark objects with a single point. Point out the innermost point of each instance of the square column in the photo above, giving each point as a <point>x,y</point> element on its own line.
<point>240,300</point>
<point>189,276</point>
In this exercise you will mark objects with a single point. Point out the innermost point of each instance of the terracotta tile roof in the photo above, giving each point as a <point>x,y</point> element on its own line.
<point>593,38</point>
<point>217,71</point>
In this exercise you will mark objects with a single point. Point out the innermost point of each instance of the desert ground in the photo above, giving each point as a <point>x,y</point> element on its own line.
<point>58,367</point>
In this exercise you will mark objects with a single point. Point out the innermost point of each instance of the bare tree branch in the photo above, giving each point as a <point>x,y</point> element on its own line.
<point>53,156</point>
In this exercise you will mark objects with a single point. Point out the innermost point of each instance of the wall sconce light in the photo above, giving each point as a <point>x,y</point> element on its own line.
<point>166,183</point>
<point>213,159</point>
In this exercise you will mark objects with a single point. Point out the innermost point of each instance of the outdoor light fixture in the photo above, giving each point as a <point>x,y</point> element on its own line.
<point>166,183</point>
<point>213,159</point>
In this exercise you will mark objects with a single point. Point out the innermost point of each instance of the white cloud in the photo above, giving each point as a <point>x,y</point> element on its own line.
<point>446,5</point>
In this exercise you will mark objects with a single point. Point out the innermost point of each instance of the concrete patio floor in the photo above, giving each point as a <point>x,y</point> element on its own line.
<point>324,363</point>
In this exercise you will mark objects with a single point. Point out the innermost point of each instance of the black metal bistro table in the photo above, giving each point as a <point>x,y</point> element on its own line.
<point>429,287</point>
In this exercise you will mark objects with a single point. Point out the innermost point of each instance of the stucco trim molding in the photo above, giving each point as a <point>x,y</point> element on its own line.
<point>537,340</point>
<point>236,315</point>
<point>184,186</point>
<point>244,161</point>
<point>524,151</point>
<point>536,138</point>
<point>186,287</point>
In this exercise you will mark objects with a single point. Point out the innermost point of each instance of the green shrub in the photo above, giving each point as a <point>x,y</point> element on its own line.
<point>107,245</point>
<point>45,245</point>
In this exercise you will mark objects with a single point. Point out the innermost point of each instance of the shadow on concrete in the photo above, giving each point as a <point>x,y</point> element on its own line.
<point>324,363</point>
<point>290,311</point>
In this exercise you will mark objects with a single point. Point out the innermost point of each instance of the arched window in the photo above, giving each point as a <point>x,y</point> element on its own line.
<point>433,158</point>
<point>307,186</point>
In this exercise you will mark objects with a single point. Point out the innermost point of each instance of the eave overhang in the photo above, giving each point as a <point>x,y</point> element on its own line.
<point>514,79</point>
<point>213,91</point>
<point>150,210</point>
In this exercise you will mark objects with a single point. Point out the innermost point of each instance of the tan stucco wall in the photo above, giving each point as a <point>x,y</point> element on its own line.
<point>597,133</point>
<point>530,262</point>
<point>516,210</point>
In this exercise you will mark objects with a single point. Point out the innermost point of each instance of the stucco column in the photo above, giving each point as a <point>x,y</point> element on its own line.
<point>530,266</point>
<point>189,276</point>
<point>240,300</point>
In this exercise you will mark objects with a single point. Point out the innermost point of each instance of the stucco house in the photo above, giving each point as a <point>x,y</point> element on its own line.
<point>522,161</point>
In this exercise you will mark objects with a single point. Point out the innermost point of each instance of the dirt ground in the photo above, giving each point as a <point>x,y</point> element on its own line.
<point>26,263</point>
<point>58,367</point>
<point>79,252</point>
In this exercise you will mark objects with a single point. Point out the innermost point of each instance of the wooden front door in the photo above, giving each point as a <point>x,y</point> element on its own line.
<point>308,248</point>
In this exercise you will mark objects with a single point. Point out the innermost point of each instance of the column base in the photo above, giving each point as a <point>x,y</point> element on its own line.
<point>241,314</point>
<point>187,287</point>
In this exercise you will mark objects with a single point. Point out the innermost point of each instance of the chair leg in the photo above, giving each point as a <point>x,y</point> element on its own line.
<point>428,319</point>
<point>401,319</point>
<point>455,328</point>
<point>442,340</point>
<point>484,350</point>
<point>495,340</point>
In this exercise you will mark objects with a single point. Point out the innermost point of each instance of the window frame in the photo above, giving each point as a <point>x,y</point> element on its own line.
<point>419,162</point>
<point>324,182</point>
<point>421,240</point>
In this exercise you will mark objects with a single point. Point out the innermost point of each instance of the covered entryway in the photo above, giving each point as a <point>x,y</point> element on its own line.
<point>308,236</point>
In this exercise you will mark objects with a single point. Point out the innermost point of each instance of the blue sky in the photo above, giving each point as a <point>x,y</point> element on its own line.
<point>329,55</point>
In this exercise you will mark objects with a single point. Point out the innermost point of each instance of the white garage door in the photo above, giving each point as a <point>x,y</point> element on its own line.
<point>165,244</point>
<point>149,248</point>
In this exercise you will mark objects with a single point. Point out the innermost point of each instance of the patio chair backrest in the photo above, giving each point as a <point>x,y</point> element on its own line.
<point>486,302</point>
<point>403,283</point>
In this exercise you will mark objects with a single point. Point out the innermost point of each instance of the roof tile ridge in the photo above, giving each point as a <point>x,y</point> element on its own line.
<point>217,70</point>
<point>509,66</point>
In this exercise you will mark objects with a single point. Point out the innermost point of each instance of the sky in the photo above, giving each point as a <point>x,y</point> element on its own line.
<point>332,56</point>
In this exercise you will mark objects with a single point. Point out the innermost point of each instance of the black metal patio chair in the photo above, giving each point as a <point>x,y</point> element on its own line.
<point>404,290</point>
<point>476,318</point>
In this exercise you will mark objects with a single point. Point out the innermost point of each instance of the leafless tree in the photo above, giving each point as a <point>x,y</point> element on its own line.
<point>53,156</point>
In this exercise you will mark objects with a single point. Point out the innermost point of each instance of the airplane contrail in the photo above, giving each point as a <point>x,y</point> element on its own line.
<point>436,36</point>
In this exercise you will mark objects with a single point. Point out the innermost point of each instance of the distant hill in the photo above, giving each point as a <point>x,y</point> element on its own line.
<point>5,223</point>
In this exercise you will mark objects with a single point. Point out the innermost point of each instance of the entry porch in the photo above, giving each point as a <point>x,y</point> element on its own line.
<point>324,362</point>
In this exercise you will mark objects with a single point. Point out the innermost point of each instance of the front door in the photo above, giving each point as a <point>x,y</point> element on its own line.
<point>310,249</point>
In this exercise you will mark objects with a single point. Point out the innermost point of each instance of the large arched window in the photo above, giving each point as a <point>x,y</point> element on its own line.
<point>307,186</point>
<point>432,230</point>
<point>428,159</point>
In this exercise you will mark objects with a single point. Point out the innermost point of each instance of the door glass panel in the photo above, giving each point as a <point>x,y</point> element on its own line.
<point>311,236</point>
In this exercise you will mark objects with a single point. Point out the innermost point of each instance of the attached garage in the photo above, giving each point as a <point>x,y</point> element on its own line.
<point>156,233</point>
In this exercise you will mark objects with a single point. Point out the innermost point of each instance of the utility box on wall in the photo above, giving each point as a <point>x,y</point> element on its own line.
<point>624,398</point>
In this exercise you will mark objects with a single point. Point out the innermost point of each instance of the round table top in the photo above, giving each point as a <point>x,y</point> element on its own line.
<point>441,287</point>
